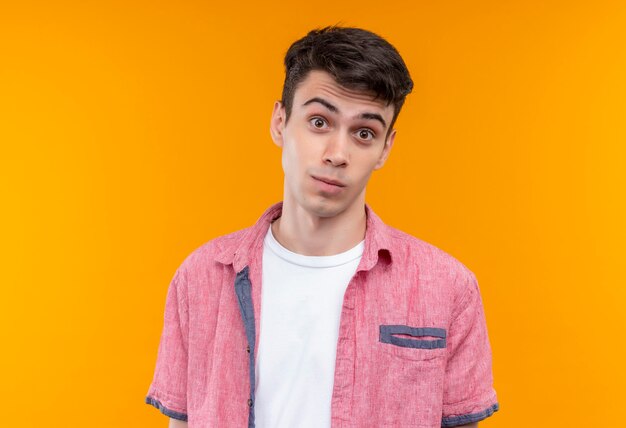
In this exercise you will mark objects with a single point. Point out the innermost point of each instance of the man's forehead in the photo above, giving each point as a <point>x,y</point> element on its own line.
<point>322,85</point>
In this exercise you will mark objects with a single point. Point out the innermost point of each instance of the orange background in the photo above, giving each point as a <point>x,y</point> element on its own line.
<point>133,132</point>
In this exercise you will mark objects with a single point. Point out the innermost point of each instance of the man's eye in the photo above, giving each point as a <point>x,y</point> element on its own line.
<point>365,134</point>
<point>318,122</point>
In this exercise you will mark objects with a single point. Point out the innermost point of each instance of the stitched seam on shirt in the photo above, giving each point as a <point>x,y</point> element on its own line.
<point>463,301</point>
<point>183,306</point>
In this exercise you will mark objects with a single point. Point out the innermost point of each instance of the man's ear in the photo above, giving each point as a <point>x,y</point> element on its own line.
<point>277,123</point>
<point>385,153</point>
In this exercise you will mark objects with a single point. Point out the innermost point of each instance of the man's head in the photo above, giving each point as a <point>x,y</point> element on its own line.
<point>357,59</point>
<point>343,91</point>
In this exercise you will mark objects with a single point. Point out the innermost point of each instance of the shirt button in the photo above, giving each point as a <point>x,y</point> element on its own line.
<point>248,349</point>
<point>249,402</point>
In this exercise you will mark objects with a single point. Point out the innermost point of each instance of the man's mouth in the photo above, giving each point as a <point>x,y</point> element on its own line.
<point>330,181</point>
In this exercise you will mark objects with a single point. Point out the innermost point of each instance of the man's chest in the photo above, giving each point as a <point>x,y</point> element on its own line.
<point>374,380</point>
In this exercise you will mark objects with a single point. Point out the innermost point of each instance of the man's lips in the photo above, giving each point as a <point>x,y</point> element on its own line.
<point>329,181</point>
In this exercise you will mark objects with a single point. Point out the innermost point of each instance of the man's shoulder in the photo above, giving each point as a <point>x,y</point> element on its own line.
<point>214,250</point>
<point>429,259</point>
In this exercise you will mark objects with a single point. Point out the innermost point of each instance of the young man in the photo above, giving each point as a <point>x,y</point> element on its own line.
<point>320,315</point>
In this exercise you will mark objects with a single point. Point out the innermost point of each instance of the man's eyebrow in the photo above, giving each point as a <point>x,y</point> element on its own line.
<point>323,102</point>
<point>374,116</point>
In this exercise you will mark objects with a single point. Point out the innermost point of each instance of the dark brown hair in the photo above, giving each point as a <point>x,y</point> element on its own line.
<point>357,59</point>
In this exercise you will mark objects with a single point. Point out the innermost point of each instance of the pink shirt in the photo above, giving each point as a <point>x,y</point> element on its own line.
<point>413,348</point>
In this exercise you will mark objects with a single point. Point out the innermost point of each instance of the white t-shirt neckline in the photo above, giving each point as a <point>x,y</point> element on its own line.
<point>313,261</point>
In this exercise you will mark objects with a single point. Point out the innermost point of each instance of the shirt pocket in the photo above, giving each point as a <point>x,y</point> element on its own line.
<point>413,343</point>
<point>410,375</point>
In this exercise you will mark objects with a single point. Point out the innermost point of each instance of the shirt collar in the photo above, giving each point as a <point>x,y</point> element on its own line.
<point>239,252</point>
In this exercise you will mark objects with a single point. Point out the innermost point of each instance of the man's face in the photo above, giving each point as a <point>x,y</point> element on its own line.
<point>333,135</point>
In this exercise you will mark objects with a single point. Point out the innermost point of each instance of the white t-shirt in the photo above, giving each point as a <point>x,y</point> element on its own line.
<point>301,300</point>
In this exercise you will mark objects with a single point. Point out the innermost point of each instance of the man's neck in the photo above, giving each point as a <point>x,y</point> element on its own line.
<point>310,235</point>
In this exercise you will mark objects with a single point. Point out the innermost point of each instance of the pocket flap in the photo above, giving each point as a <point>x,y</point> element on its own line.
<point>419,337</point>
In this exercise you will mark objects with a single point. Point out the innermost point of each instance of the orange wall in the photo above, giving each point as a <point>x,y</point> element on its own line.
<point>133,132</point>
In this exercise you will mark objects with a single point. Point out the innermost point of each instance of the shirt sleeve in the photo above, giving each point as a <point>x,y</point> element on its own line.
<point>168,390</point>
<point>469,395</point>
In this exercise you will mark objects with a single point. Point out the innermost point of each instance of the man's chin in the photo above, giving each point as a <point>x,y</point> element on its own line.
<point>327,208</point>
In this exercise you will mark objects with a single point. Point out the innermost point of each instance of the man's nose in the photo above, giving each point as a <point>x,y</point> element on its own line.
<point>336,152</point>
